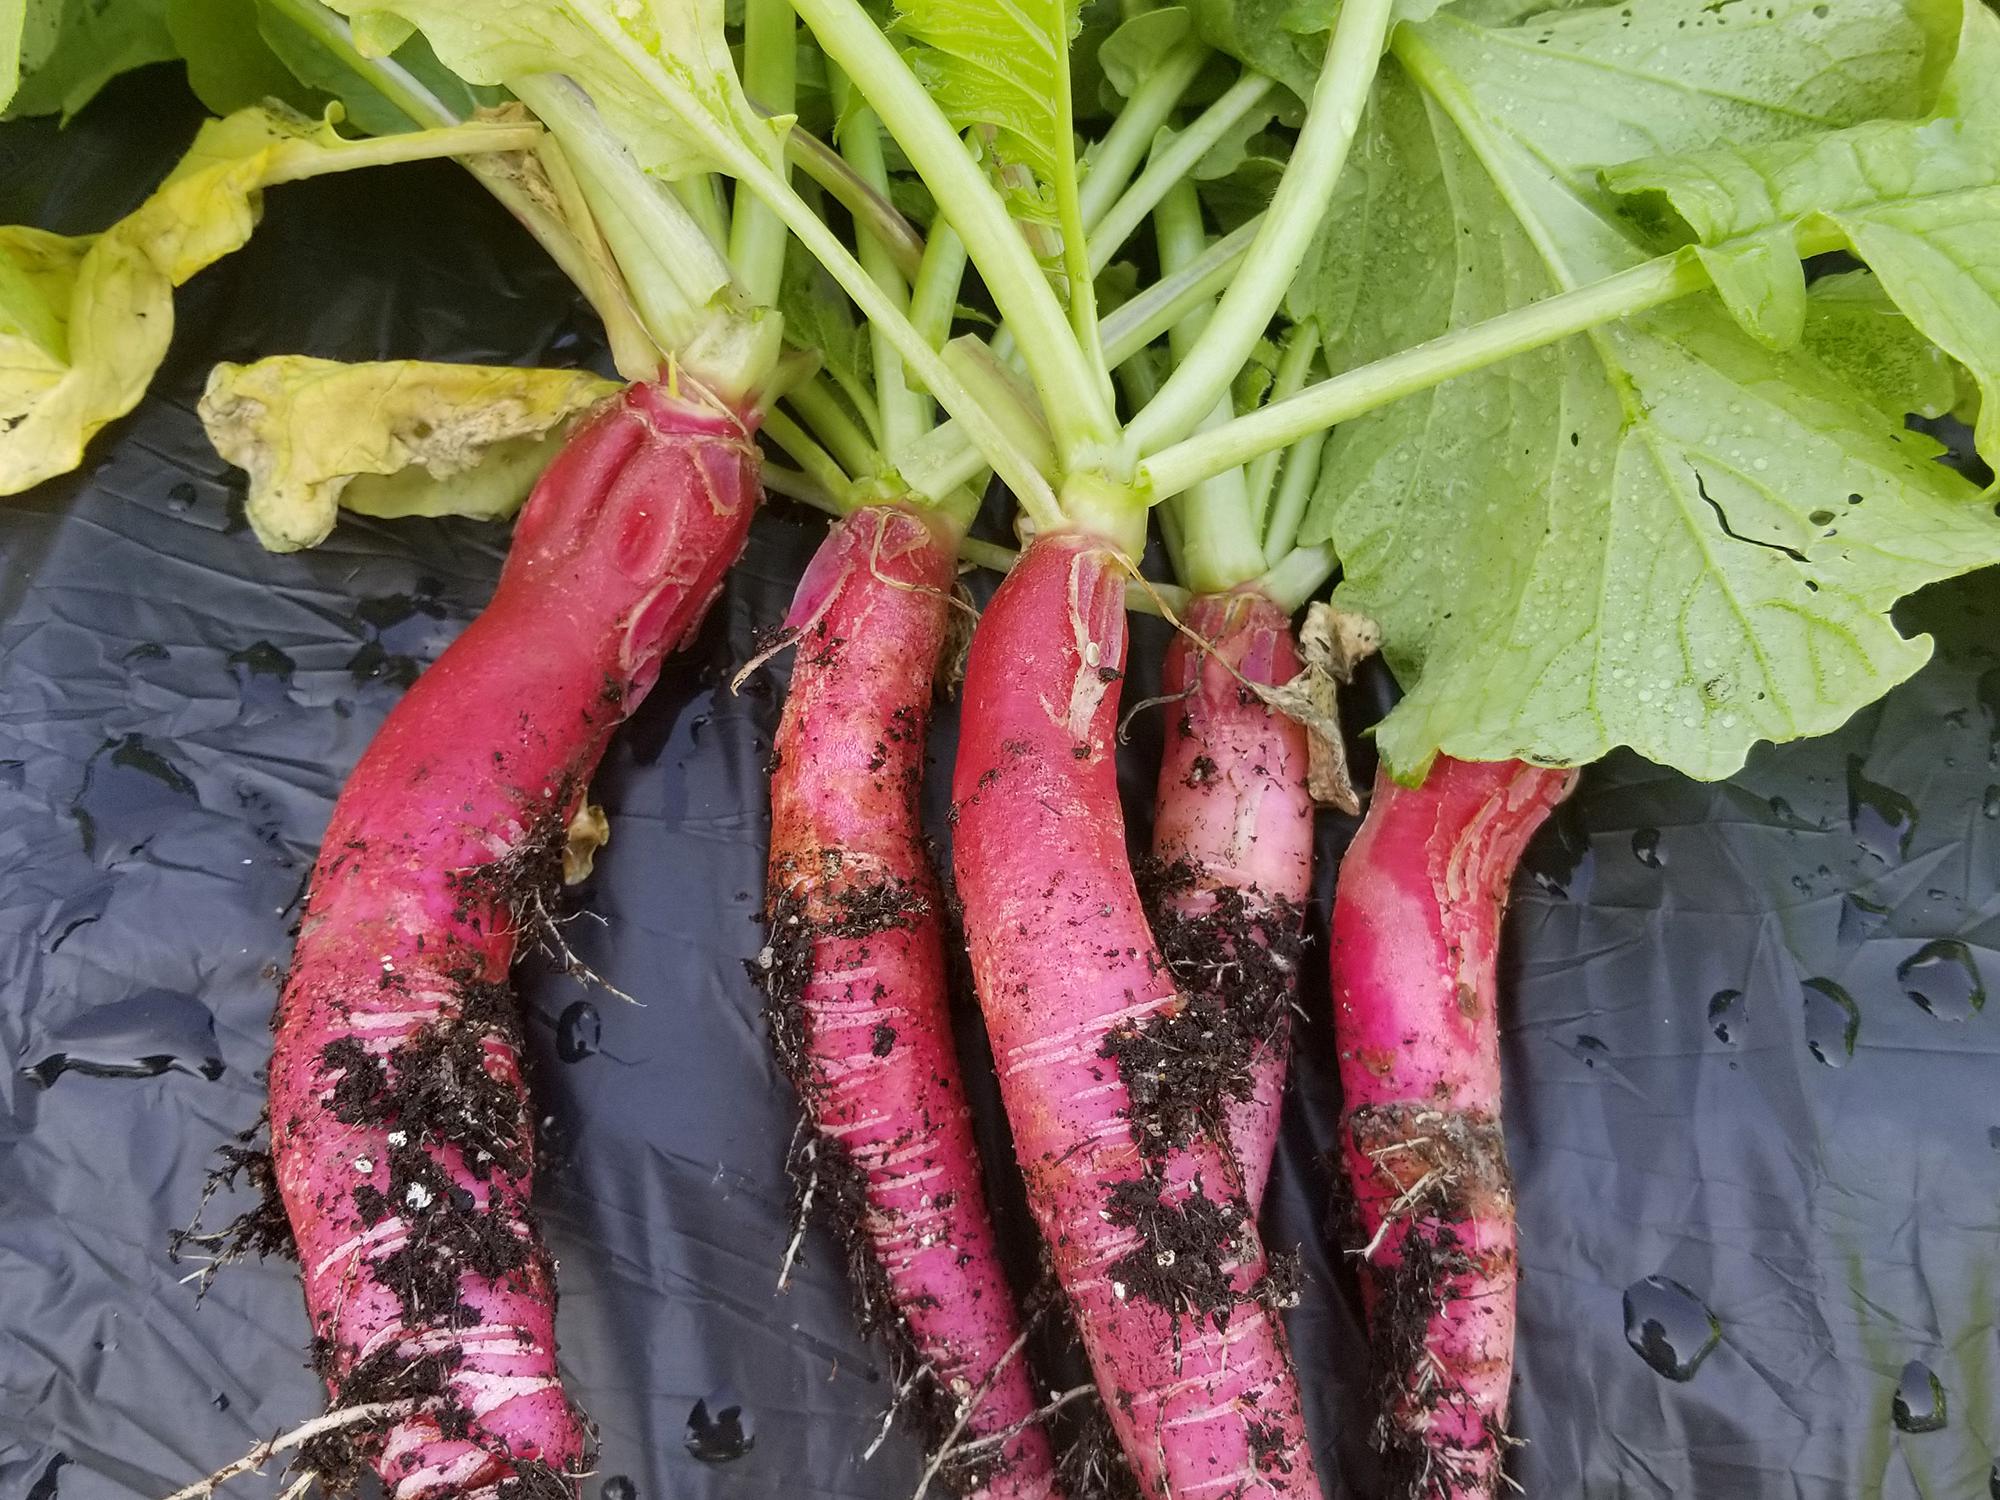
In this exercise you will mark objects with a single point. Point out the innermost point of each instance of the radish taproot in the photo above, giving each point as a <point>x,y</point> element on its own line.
<point>857,995</point>
<point>1143,1212</point>
<point>1416,934</point>
<point>1232,856</point>
<point>400,1124</point>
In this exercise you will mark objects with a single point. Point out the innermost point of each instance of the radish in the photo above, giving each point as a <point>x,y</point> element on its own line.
<point>1549,547</point>
<point>855,974</point>
<point>400,1126</point>
<point>1146,1218</point>
<point>1231,866</point>
<point>1416,929</point>
<point>857,984</point>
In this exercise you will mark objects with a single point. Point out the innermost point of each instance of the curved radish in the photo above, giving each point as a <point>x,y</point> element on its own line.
<point>856,984</point>
<point>400,1125</point>
<point>1231,867</point>
<point>1416,928</point>
<point>1144,1217</point>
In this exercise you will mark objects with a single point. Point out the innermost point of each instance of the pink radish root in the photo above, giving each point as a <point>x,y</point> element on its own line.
<point>400,1124</point>
<point>1416,931</point>
<point>857,997</point>
<point>1231,869</point>
<point>1145,1218</point>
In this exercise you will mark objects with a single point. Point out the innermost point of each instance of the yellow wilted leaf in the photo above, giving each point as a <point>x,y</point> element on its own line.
<point>400,438</point>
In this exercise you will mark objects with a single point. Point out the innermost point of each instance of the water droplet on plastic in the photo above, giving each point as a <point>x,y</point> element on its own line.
<point>403,632</point>
<point>1942,977</point>
<point>181,498</point>
<point>1919,1402</point>
<point>579,1031</point>
<point>1882,817</point>
<point>1993,1483</point>
<point>141,1036</point>
<point>130,792</point>
<point>618,1487</point>
<point>1560,859</point>
<point>1860,919</point>
<point>1990,803</point>
<point>263,675</point>
<point>45,1486</point>
<point>719,1429</point>
<point>220,1401</point>
<point>145,651</point>
<point>1833,1021</point>
<point>1669,1327</point>
<point>1646,848</point>
<point>1726,1016</point>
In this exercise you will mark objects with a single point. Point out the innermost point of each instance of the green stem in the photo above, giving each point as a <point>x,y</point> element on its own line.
<point>1294,366</point>
<point>1130,137</point>
<point>874,214</point>
<point>679,281</point>
<point>945,456</point>
<point>934,296</point>
<point>1173,164</point>
<point>1069,385</point>
<point>1297,577</point>
<point>814,461</point>
<point>1294,494</point>
<point>831,423</point>
<point>770,75</point>
<point>701,196</point>
<point>1460,352</point>
<point>1172,299</point>
<point>1217,544</point>
<point>902,411</point>
<point>1016,471</point>
<point>1297,208</point>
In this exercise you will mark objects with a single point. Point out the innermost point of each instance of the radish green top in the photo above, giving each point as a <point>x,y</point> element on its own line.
<point>1608,463</point>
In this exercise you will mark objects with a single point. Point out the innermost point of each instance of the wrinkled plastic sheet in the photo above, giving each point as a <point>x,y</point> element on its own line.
<point>1757,1178</point>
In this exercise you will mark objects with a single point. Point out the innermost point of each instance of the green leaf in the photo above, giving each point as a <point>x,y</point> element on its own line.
<point>402,438</point>
<point>1138,46</point>
<point>819,318</point>
<point>304,35</point>
<point>15,43</point>
<point>1664,534</point>
<point>85,322</point>
<point>1284,38</point>
<point>1919,202</point>
<point>229,64</point>
<point>659,71</point>
<point>1858,333</point>
<point>83,45</point>
<point>1003,71</point>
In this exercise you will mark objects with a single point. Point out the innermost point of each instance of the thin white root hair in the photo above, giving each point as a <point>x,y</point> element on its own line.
<point>1007,1434</point>
<point>305,1432</point>
<point>966,1408</point>
<point>902,1394</point>
<point>804,1217</point>
<point>548,931</point>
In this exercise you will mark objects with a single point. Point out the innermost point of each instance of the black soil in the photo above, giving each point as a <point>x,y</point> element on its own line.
<point>1188,1247</point>
<point>260,1230</point>
<point>435,1101</point>
<point>828,1185</point>
<point>1236,964</point>
<point>1464,1158</point>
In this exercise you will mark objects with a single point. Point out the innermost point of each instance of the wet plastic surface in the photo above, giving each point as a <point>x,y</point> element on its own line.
<point>1752,1092</point>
